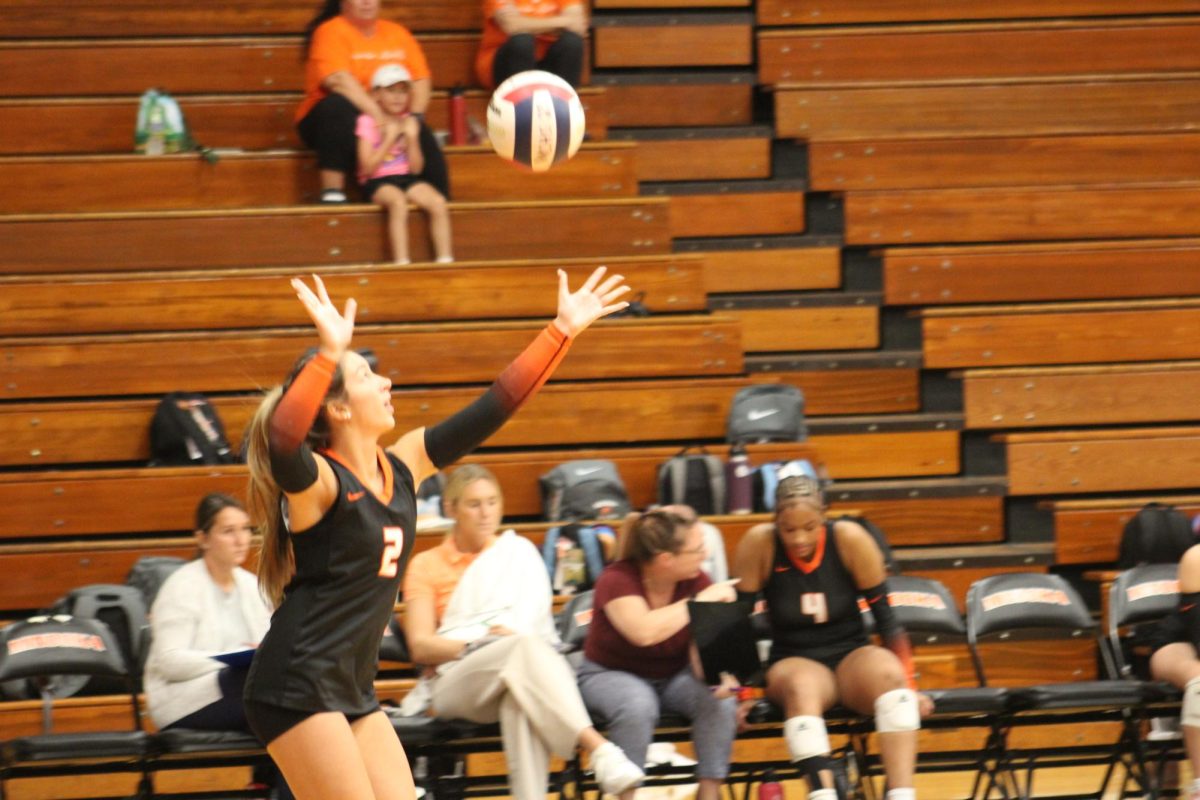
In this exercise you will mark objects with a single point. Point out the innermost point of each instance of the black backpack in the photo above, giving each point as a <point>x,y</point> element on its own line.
<point>769,412</point>
<point>148,574</point>
<point>693,479</point>
<point>1157,534</point>
<point>584,489</point>
<point>187,430</point>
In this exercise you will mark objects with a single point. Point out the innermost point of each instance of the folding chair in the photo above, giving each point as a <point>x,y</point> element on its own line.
<point>42,648</point>
<point>1000,605</point>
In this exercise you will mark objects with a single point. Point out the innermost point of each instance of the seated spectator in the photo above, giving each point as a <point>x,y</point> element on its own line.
<point>520,35</point>
<point>345,44</point>
<point>477,611</point>
<point>206,607</point>
<point>811,573</point>
<point>1175,659</point>
<point>639,657</point>
<point>390,160</point>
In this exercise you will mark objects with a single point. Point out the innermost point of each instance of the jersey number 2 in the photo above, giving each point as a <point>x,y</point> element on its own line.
<point>393,548</point>
<point>813,604</point>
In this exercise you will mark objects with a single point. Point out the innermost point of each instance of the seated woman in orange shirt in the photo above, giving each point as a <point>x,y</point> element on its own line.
<point>520,35</point>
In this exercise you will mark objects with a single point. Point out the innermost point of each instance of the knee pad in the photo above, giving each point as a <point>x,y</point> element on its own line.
<point>897,711</point>
<point>806,737</point>
<point>1190,712</point>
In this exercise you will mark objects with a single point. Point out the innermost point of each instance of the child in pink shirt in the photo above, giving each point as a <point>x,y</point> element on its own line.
<point>389,160</point>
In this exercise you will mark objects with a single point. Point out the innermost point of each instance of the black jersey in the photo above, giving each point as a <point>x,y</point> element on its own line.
<point>322,650</point>
<point>813,606</point>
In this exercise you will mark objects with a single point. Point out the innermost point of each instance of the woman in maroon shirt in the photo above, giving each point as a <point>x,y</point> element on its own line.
<point>638,656</point>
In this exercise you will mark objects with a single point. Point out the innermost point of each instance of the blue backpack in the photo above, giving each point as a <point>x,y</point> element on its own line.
<point>574,557</point>
<point>768,476</point>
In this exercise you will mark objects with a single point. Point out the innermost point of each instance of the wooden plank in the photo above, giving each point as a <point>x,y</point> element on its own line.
<point>1113,104</point>
<point>673,42</point>
<point>703,159</point>
<point>808,328</point>
<point>1139,333</point>
<point>644,4</point>
<point>890,454</point>
<point>936,521</point>
<point>829,12</point>
<point>852,391</point>
<point>119,183</point>
<point>677,104</point>
<point>773,269</point>
<point>251,122</point>
<point>70,18</point>
<point>1012,161</point>
<point>1105,395</point>
<point>1090,533</point>
<point>1127,460</point>
<point>150,364</point>
<point>736,213</point>
<point>1022,214</point>
<point>340,235</point>
<point>1047,271</point>
<point>979,51</point>
<point>215,299</point>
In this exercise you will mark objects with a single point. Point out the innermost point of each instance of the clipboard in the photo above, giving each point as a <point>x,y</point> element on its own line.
<point>726,641</point>
<point>236,658</point>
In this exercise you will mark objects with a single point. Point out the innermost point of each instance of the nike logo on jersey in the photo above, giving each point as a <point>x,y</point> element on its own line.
<point>1187,608</point>
<point>782,569</point>
<point>354,496</point>
<point>755,416</point>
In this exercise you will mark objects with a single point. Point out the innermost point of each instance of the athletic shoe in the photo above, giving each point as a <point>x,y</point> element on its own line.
<point>615,773</point>
<point>333,196</point>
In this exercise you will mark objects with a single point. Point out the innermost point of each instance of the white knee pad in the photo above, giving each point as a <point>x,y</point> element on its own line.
<point>806,737</point>
<point>897,711</point>
<point>1190,715</point>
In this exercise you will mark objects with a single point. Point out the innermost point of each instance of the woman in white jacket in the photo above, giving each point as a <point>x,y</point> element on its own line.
<point>207,607</point>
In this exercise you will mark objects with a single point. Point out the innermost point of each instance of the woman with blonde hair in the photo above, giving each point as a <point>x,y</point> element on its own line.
<point>337,517</point>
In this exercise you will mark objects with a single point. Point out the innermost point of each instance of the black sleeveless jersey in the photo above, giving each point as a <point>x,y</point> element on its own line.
<point>322,650</point>
<point>814,605</point>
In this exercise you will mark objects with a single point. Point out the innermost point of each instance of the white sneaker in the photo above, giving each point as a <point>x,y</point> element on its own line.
<point>615,773</point>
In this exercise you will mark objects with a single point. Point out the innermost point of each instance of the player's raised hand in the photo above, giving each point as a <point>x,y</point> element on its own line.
<point>598,297</point>
<point>334,328</point>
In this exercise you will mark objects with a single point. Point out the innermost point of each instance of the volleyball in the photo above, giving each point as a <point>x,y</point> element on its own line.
<point>535,119</point>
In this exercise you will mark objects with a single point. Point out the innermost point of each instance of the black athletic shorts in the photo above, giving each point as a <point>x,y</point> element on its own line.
<point>830,655</point>
<point>401,182</point>
<point>269,722</point>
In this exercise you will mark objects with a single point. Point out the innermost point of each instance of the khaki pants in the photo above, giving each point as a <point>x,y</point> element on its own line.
<point>522,683</point>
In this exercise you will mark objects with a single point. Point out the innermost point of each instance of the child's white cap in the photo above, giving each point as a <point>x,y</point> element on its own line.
<point>390,75</point>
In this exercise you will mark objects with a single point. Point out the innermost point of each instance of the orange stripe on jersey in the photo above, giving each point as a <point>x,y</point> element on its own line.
<point>807,567</point>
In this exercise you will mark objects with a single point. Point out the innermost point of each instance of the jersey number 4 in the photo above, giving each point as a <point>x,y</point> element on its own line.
<point>813,604</point>
<point>393,548</point>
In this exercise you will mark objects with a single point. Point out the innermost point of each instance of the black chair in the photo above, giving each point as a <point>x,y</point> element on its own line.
<point>41,648</point>
<point>1001,605</point>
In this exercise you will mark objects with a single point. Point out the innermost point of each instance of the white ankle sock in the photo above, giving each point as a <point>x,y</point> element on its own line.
<point>901,794</point>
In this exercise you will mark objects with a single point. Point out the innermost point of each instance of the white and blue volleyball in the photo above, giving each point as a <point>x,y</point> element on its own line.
<point>535,119</point>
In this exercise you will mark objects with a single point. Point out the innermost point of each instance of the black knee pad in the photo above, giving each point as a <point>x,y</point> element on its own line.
<point>812,769</point>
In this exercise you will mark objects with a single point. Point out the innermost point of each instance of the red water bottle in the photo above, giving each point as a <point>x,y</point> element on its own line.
<point>458,116</point>
<point>770,789</point>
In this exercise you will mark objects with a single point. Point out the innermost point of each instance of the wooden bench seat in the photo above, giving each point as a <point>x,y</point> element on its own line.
<point>1003,161</point>
<point>21,19</point>
<point>676,99</point>
<point>833,12</point>
<point>247,121</point>
<point>766,264</point>
<point>1045,271</point>
<point>1023,213</point>
<point>416,354</point>
<point>979,50</point>
<point>732,208</point>
<point>275,178</point>
<point>846,383</point>
<point>692,39</point>
<point>1109,394</point>
<point>1061,333</point>
<point>952,109</point>
<point>1108,460</point>
<point>350,234</point>
<point>681,4</point>
<point>804,322</point>
<point>215,299</point>
<point>700,154</point>
<point>1089,531</point>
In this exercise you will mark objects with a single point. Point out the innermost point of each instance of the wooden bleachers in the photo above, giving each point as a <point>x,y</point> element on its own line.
<point>1108,394</point>
<point>979,50</point>
<point>1089,531</point>
<point>1101,460</point>
<point>827,12</point>
<point>91,125</point>
<point>1045,271</point>
<point>640,99</point>
<point>789,323</point>
<point>1008,161</point>
<point>764,266</point>
<point>701,154</point>
<point>847,385</point>
<point>1061,333</point>
<point>1016,107</point>
<point>712,39</point>
<point>273,178</point>
<point>43,305</point>
<point>1023,213</point>
<point>739,208</point>
<point>351,234</point>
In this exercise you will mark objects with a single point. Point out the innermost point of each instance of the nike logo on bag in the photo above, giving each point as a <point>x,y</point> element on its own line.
<point>353,496</point>
<point>588,471</point>
<point>755,416</point>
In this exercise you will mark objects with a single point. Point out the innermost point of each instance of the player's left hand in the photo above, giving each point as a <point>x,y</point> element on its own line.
<point>598,297</point>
